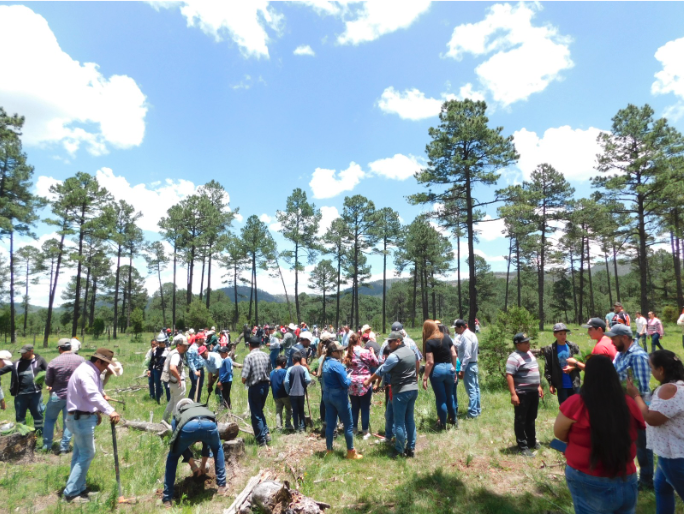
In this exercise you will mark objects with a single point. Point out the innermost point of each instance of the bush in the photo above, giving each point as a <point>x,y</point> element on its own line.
<point>137,321</point>
<point>670,314</point>
<point>198,316</point>
<point>98,327</point>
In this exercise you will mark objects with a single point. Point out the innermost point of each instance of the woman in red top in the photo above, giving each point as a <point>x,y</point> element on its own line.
<point>600,426</point>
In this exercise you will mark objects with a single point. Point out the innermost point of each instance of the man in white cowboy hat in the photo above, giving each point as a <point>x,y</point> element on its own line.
<point>289,340</point>
<point>174,374</point>
<point>366,330</point>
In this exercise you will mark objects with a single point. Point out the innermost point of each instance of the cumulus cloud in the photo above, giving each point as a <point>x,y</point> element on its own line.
<point>265,218</point>
<point>379,17</point>
<point>304,50</point>
<point>525,58</point>
<point>329,183</point>
<point>65,102</point>
<point>244,23</point>
<point>328,215</point>
<point>489,258</point>
<point>398,167</point>
<point>412,104</point>
<point>490,230</point>
<point>571,151</point>
<point>671,78</point>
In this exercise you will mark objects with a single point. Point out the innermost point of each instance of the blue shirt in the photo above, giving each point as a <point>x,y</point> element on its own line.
<point>278,383</point>
<point>637,359</point>
<point>335,375</point>
<point>563,356</point>
<point>195,362</point>
<point>226,370</point>
<point>345,339</point>
<point>307,378</point>
<point>213,362</point>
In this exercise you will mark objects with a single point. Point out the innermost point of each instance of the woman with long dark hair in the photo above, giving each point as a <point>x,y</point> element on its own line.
<point>600,426</point>
<point>665,427</point>
<point>440,367</point>
<point>360,364</point>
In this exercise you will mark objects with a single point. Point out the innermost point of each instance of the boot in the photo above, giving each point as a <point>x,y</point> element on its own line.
<point>353,455</point>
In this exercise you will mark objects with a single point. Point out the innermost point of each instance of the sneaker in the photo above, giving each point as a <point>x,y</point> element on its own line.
<point>222,490</point>
<point>526,453</point>
<point>76,499</point>
<point>537,446</point>
<point>366,435</point>
<point>409,453</point>
<point>384,441</point>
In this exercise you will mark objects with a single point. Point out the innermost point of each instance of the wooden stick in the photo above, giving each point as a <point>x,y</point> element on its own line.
<point>253,482</point>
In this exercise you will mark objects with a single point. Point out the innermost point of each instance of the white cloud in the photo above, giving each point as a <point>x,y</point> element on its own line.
<point>239,217</point>
<point>498,258</point>
<point>43,185</point>
<point>304,50</point>
<point>525,60</point>
<point>571,152</point>
<point>245,23</point>
<point>671,78</point>
<point>64,101</point>
<point>379,17</point>
<point>329,183</point>
<point>399,167</point>
<point>328,215</point>
<point>412,104</point>
<point>490,230</point>
<point>265,218</point>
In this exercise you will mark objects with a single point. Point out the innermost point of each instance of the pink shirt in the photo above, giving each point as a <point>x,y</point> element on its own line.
<point>654,325</point>
<point>361,363</point>
<point>84,391</point>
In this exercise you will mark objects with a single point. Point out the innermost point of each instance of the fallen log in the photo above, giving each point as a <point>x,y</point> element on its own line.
<point>227,431</point>
<point>272,497</point>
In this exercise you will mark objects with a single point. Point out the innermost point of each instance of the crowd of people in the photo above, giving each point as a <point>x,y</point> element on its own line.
<point>607,418</point>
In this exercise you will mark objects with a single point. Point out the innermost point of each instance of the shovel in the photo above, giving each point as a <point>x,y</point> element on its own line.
<point>308,421</point>
<point>116,468</point>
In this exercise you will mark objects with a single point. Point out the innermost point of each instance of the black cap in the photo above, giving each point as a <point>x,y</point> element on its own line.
<point>459,323</point>
<point>520,338</point>
<point>595,323</point>
<point>254,341</point>
<point>397,326</point>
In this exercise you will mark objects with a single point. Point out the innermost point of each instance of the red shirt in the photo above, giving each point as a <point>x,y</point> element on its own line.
<point>578,452</point>
<point>605,347</point>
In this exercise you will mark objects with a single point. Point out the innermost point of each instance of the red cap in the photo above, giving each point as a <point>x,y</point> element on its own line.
<point>201,349</point>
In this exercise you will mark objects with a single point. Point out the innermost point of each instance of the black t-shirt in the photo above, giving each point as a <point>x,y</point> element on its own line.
<point>440,349</point>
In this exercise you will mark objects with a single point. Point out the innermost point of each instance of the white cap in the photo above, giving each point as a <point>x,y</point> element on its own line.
<point>191,331</point>
<point>75,345</point>
<point>292,326</point>
<point>305,335</point>
<point>213,328</point>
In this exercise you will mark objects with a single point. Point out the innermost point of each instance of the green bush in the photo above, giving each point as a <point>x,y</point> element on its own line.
<point>98,327</point>
<point>670,314</point>
<point>137,321</point>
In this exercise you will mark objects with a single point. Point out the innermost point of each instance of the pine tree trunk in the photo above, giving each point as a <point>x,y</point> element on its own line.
<point>251,295</point>
<point>161,294</point>
<point>77,299</point>
<point>282,279</point>
<point>256,291</point>
<point>642,254</point>
<point>296,291</point>
<point>325,320</point>
<point>173,300</point>
<point>384,284</point>
<point>508,271</point>
<point>85,302</point>
<point>13,328</point>
<point>26,296</point>
<point>472,277</point>
<point>339,278</point>
<point>674,241</point>
<point>540,274</point>
<point>209,282</point>
<point>458,275</point>
<point>610,289</point>
<point>415,294</point>
<point>591,287</point>
<point>191,271</point>
<point>236,315</point>
<point>517,265</point>
<point>51,302</point>
<point>93,296</point>
<point>574,289</point>
<point>201,291</point>
<point>116,290</point>
<point>432,287</point>
<point>615,269</point>
<point>581,280</point>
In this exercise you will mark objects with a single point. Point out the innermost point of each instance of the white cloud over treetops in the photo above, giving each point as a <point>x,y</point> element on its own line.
<point>398,167</point>
<point>571,151</point>
<point>64,101</point>
<point>412,104</point>
<point>671,78</point>
<point>526,58</point>
<point>304,50</point>
<point>379,17</point>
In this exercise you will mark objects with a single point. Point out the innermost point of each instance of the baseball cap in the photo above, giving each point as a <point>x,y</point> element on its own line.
<point>619,330</point>
<point>191,331</point>
<point>201,349</point>
<point>327,336</point>
<point>104,354</point>
<point>560,327</point>
<point>26,348</point>
<point>595,323</point>
<point>64,343</point>
<point>397,326</point>
<point>395,335</point>
<point>305,335</point>
<point>335,347</point>
<point>520,338</point>
<point>223,349</point>
<point>180,339</point>
<point>255,341</point>
<point>459,323</point>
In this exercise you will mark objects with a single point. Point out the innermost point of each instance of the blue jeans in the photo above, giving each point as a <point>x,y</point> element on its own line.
<point>274,355</point>
<point>442,381</point>
<point>196,381</point>
<point>655,341</point>
<point>669,477</point>
<point>454,389</point>
<point>195,431</point>
<point>645,460</point>
<point>404,424</point>
<point>337,404</point>
<point>361,404</point>
<point>150,384</point>
<point>564,394</point>
<point>641,340</point>
<point>289,353</point>
<point>160,386</point>
<point>256,397</point>
<point>297,403</point>
<point>593,495</point>
<point>83,430</point>
<point>53,407</point>
<point>32,402</point>
<point>472,386</point>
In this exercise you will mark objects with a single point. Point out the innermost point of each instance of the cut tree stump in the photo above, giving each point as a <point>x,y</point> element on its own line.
<point>234,449</point>
<point>15,447</point>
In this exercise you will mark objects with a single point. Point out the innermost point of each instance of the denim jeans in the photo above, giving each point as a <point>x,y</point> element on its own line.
<point>283,403</point>
<point>159,386</point>
<point>454,389</point>
<point>196,382</point>
<point>195,431</point>
<point>645,460</point>
<point>442,381</point>
<point>54,406</point>
<point>655,341</point>
<point>83,430</point>
<point>337,404</point>
<point>256,397</point>
<point>297,403</point>
<point>274,355</point>
<point>32,402</point>
<point>524,419</point>
<point>361,404</point>
<point>403,405</point>
<point>289,353</point>
<point>592,495</point>
<point>472,387</point>
<point>564,394</point>
<point>641,340</point>
<point>669,478</point>
<point>150,384</point>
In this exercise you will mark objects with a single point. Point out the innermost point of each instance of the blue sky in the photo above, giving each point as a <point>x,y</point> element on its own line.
<point>336,98</point>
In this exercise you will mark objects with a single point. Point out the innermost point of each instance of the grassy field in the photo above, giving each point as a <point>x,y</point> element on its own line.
<point>473,469</point>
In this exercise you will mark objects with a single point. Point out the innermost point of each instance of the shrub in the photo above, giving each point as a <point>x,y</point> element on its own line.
<point>670,314</point>
<point>98,327</point>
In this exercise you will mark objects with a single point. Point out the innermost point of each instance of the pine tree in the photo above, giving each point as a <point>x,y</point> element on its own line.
<point>387,229</point>
<point>322,279</point>
<point>260,248</point>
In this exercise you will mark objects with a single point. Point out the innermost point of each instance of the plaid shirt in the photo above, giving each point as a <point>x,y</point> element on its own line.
<point>256,367</point>
<point>637,359</point>
<point>59,372</point>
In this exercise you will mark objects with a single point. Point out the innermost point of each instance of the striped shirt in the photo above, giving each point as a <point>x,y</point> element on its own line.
<point>524,369</point>
<point>256,367</point>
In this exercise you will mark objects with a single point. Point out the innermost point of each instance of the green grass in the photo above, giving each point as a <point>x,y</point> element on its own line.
<point>473,469</point>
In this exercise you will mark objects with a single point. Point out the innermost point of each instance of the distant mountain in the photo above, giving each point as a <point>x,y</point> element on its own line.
<point>243,294</point>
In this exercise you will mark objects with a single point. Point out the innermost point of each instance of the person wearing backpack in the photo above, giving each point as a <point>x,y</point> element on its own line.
<point>174,374</point>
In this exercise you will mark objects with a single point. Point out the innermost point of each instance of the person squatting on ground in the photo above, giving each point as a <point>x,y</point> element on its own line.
<point>360,363</point>
<point>27,394</point>
<point>282,400</point>
<point>86,402</point>
<point>401,366</point>
<point>296,381</point>
<point>57,377</point>
<point>600,428</point>
<point>174,374</point>
<point>524,384</point>
<point>440,367</point>
<point>665,427</point>
<point>563,379</point>
<point>468,350</point>
<point>193,423</point>
<point>225,376</point>
<point>336,397</point>
<point>255,375</point>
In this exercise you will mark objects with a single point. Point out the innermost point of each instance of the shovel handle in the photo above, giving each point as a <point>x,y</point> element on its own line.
<point>116,459</point>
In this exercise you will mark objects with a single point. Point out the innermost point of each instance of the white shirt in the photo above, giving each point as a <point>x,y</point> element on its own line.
<point>641,325</point>
<point>468,348</point>
<point>667,440</point>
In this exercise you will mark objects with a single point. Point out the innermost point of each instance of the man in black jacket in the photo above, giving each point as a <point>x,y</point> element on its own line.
<point>27,394</point>
<point>566,383</point>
